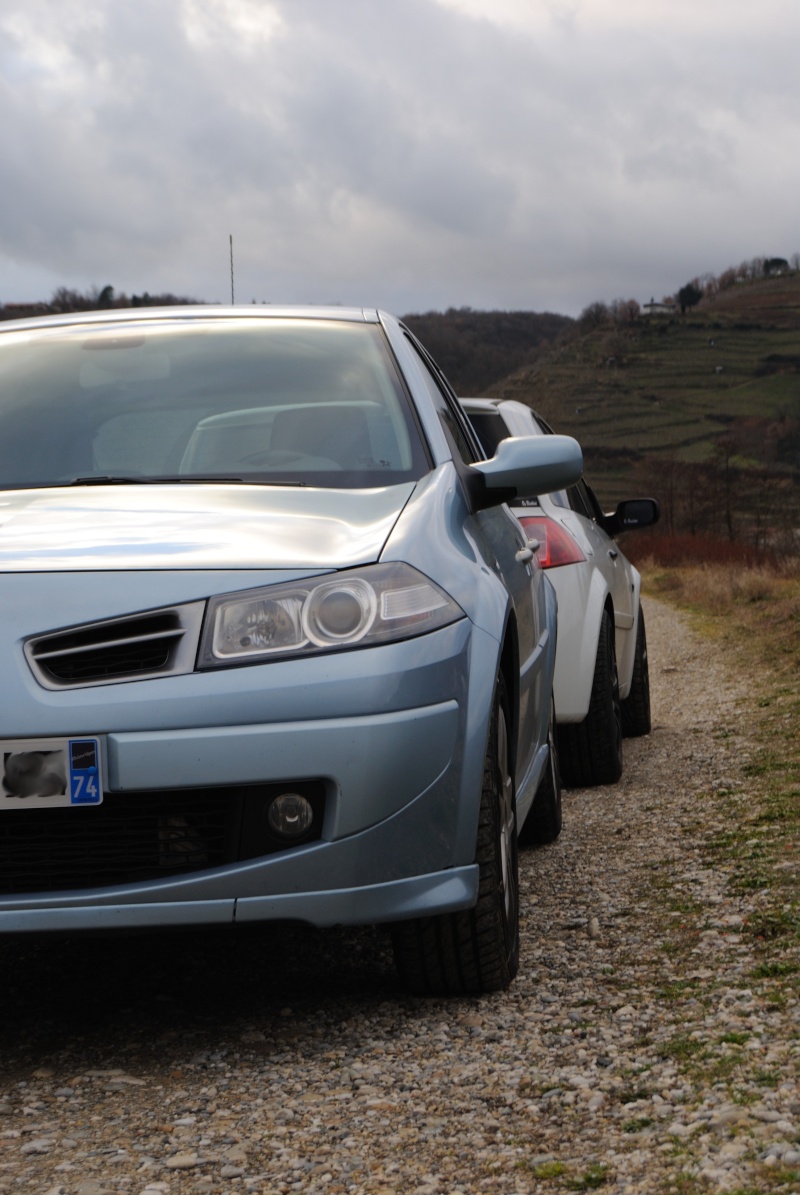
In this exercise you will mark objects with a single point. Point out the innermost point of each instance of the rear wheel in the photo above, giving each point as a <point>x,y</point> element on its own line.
<point>636,706</point>
<point>543,823</point>
<point>475,950</point>
<point>591,751</point>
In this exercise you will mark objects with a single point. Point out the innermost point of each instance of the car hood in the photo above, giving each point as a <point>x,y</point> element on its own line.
<point>195,527</point>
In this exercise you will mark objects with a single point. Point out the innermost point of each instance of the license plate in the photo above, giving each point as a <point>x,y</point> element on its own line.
<point>44,773</point>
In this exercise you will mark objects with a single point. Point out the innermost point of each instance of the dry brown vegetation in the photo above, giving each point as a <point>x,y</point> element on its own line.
<point>751,596</point>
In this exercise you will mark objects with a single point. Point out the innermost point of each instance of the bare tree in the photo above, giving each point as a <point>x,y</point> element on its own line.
<point>625,311</point>
<point>594,316</point>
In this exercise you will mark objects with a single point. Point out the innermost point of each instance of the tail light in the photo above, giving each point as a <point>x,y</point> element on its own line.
<point>556,545</point>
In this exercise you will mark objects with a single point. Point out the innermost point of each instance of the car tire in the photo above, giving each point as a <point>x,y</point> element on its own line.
<point>636,706</point>
<point>474,950</point>
<point>591,751</point>
<point>543,823</point>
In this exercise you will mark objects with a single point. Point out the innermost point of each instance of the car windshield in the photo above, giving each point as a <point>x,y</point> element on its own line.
<point>261,400</point>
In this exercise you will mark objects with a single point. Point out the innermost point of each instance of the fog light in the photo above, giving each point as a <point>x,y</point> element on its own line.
<point>290,815</point>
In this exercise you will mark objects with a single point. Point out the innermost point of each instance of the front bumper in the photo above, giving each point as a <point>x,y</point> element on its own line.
<point>396,734</point>
<point>417,896</point>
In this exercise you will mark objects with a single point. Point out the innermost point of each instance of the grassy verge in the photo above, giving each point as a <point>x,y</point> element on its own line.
<point>754,612</point>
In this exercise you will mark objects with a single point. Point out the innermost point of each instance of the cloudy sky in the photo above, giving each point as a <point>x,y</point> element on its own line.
<point>408,154</point>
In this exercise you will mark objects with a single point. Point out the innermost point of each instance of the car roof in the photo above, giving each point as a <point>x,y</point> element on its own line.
<point>194,311</point>
<point>480,404</point>
<point>521,420</point>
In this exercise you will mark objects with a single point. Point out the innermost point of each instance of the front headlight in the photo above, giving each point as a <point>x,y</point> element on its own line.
<point>358,608</point>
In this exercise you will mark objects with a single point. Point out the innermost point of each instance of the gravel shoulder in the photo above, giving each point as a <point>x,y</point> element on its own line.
<point>640,1050</point>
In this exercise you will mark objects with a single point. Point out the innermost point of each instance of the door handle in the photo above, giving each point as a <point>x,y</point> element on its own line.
<point>524,555</point>
<point>613,553</point>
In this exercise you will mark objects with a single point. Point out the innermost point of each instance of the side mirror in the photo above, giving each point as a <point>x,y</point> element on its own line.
<point>631,515</point>
<point>525,465</point>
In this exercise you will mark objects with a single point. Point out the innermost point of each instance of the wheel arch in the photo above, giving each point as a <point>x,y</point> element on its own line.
<point>626,650</point>
<point>574,671</point>
<point>509,667</point>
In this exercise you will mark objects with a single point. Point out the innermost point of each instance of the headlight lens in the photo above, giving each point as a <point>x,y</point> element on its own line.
<point>340,612</point>
<point>358,608</point>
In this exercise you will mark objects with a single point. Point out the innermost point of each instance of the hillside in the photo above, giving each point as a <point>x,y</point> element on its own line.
<point>708,401</point>
<point>476,348</point>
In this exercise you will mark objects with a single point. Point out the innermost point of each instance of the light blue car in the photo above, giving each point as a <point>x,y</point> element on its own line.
<point>273,646</point>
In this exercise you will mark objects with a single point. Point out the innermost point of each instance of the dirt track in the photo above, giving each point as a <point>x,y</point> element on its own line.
<point>634,1050</point>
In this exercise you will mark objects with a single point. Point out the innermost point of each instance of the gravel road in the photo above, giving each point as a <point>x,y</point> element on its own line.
<point>634,1053</point>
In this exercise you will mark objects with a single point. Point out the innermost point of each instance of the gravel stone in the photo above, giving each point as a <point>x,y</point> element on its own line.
<point>285,1059</point>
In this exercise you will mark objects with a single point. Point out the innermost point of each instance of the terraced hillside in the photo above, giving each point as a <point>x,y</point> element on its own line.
<point>717,387</point>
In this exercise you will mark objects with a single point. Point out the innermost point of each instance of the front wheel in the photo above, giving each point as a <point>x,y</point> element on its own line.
<point>475,950</point>
<point>591,750</point>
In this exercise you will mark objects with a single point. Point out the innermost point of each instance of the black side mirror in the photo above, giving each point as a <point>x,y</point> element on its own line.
<point>631,515</point>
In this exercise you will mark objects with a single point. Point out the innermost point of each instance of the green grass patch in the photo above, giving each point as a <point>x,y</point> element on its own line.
<point>677,990</point>
<point>681,1048</point>
<point>545,1170</point>
<point>772,924</point>
<point>637,1124</point>
<point>775,969</point>
<point>592,1179</point>
<point>632,1095</point>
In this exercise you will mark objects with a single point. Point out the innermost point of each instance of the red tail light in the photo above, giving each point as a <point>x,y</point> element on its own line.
<point>556,545</point>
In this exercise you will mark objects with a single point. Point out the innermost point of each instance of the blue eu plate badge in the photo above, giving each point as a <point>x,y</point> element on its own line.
<point>84,772</point>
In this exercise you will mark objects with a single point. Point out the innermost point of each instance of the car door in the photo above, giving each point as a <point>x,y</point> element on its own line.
<point>503,545</point>
<point>607,556</point>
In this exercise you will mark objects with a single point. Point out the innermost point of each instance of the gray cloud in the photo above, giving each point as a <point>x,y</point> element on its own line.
<point>413,155</point>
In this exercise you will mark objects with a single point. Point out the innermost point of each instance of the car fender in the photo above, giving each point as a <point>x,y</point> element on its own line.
<point>463,563</point>
<point>626,643</point>
<point>459,559</point>
<point>483,669</point>
<point>487,657</point>
<point>580,614</point>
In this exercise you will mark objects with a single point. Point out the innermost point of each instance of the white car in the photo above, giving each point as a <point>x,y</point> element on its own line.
<point>601,685</point>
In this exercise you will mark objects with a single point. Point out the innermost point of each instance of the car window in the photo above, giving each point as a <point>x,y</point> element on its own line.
<point>594,505</point>
<point>456,425</point>
<point>305,401</point>
<point>579,501</point>
<point>543,424</point>
<point>490,428</point>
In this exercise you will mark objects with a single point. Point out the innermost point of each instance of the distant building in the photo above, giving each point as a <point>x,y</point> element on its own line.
<point>22,310</point>
<point>665,307</point>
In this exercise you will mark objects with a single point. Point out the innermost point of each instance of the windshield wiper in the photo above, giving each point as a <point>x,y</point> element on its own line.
<point>108,481</point>
<point>215,479</point>
<point>209,479</point>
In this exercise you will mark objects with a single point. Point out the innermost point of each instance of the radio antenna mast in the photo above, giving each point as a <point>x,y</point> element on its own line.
<point>231,243</point>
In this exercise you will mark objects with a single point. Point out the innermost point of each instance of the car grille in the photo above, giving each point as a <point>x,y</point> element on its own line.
<point>137,836</point>
<point>141,646</point>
